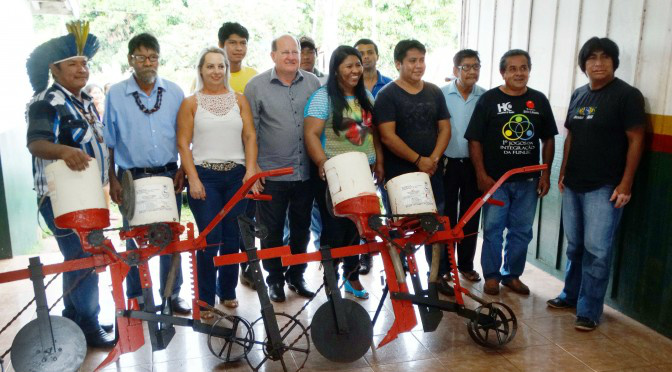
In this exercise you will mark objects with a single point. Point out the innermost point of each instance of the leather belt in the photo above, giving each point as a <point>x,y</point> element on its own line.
<point>154,170</point>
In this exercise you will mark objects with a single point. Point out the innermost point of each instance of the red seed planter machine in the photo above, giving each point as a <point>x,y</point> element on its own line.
<point>341,329</point>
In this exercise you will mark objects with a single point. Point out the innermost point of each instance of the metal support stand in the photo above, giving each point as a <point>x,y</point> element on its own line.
<point>48,343</point>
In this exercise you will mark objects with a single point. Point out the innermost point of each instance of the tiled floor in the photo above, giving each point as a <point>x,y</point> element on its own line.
<point>546,339</point>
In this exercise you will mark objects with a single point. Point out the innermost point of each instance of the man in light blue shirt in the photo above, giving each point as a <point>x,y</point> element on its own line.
<point>459,182</point>
<point>141,130</point>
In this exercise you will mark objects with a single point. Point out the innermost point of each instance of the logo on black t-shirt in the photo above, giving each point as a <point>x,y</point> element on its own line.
<point>518,128</point>
<point>504,108</point>
<point>586,112</point>
<point>518,133</point>
<point>529,108</point>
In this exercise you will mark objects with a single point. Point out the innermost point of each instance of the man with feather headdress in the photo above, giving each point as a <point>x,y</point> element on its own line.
<point>63,124</point>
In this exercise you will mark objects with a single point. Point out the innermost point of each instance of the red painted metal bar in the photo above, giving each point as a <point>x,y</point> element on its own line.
<point>404,311</point>
<point>478,203</point>
<point>239,195</point>
<point>341,252</point>
<point>263,254</point>
<point>131,335</point>
<point>451,248</point>
<point>62,267</point>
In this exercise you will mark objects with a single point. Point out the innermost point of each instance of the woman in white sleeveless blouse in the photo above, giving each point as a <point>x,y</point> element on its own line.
<point>218,149</point>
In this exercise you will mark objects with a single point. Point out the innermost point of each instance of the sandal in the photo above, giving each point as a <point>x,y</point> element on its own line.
<point>207,317</point>
<point>232,303</point>
<point>363,294</point>
<point>471,276</point>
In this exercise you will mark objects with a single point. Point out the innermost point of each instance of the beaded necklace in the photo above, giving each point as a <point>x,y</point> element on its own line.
<point>142,107</point>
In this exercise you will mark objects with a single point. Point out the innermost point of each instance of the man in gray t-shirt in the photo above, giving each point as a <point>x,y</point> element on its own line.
<point>277,98</point>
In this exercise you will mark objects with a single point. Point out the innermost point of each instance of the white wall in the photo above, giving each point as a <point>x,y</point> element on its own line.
<point>552,31</point>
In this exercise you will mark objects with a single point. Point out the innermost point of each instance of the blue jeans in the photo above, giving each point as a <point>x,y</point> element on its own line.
<point>517,217</point>
<point>224,238</point>
<point>590,221</point>
<point>133,287</point>
<point>292,200</point>
<point>81,304</point>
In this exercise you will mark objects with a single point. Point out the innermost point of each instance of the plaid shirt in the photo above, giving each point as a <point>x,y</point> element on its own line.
<point>56,115</point>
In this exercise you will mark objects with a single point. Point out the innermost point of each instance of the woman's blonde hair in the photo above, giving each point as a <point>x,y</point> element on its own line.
<point>201,62</point>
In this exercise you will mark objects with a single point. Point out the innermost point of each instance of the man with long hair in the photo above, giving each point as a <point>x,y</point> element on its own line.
<point>604,143</point>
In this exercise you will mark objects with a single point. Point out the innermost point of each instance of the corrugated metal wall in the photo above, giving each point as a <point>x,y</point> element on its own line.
<point>553,32</point>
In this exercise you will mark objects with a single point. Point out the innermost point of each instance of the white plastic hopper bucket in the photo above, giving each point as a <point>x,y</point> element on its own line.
<point>74,191</point>
<point>349,176</point>
<point>154,201</point>
<point>411,193</point>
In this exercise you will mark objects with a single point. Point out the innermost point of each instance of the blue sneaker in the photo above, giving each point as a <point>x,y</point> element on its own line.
<point>359,294</point>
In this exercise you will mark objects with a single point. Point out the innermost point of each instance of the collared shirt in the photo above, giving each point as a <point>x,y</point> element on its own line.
<point>460,114</point>
<point>57,116</point>
<point>139,139</point>
<point>322,77</point>
<point>278,118</point>
<point>382,81</point>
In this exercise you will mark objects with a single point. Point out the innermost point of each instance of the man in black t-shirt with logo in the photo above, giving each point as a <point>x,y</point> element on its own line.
<point>505,132</point>
<point>414,125</point>
<point>605,136</point>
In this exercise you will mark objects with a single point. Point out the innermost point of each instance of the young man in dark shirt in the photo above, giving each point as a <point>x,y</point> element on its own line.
<point>504,133</point>
<point>414,124</point>
<point>605,136</point>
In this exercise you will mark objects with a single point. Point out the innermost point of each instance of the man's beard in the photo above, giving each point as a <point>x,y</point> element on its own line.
<point>146,76</point>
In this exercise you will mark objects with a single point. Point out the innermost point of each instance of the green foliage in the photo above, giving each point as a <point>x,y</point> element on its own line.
<point>184,27</point>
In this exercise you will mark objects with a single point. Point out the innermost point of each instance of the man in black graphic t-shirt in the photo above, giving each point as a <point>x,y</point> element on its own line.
<point>605,136</point>
<point>414,125</point>
<point>505,132</point>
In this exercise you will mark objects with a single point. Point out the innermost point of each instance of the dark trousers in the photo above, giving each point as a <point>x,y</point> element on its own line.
<point>436,181</point>
<point>461,189</point>
<point>250,212</point>
<point>133,287</point>
<point>297,198</point>
<point>224,238</point>
<point>337,231</point>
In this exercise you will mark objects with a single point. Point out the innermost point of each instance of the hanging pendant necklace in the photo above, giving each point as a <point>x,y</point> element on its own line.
<point>90,118</point>
<point>142,107</point>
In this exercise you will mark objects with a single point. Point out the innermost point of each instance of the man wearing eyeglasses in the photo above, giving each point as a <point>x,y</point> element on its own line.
<point>459,181</point>
<point>140,131</point>
<point>277,98</point>
<point>504,132</point>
